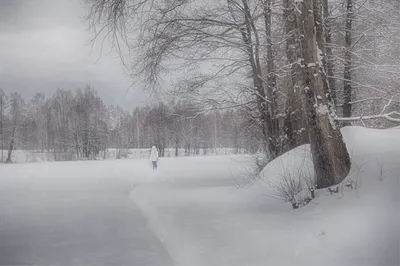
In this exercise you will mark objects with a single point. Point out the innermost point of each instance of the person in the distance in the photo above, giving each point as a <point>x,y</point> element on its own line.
<point>154,157</point>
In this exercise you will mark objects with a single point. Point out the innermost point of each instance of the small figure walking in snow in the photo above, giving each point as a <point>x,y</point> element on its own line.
<point>154,157</point>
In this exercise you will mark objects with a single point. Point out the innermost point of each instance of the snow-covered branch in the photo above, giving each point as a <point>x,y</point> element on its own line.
<point>391,116</point>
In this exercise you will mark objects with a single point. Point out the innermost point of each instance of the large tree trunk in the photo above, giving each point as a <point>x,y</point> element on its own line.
<point>294,124</point>
<point>347,90</point>
<point>330,157</point>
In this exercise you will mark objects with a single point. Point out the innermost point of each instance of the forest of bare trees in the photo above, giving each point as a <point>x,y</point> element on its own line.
<point>301,68</point>
<point>249,75</point>
<point>77,124</point>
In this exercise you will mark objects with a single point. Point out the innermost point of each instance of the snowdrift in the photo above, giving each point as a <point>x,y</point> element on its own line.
<point>289,176</point>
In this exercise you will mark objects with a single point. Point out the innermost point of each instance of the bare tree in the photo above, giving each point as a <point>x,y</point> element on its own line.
<point>16,105</point>
<point>364,45</point>
<point>196,33</point>
<point>330,71</point>
<point>271,73</point>
<point>295,127</point>
<point>330,157</point>
<point>226,35</point>
<point>38,112</point>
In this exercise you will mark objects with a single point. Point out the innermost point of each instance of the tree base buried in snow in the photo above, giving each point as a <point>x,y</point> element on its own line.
<point>298,204</point>
<point>291,178</point>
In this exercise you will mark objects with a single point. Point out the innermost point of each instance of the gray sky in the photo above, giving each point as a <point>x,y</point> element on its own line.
<point>44,45</point>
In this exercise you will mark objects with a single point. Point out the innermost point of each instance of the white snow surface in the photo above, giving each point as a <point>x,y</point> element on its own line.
<point>204,219</point>
<point>196,214</point>
<point>31,156</point>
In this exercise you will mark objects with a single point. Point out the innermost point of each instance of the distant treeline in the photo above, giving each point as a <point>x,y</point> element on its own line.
<point>78,124</point>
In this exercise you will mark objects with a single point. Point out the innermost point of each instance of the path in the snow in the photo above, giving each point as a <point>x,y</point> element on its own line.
<point>73,214</point>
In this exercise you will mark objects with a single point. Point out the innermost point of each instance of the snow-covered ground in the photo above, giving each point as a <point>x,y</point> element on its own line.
<point>195,206</point>
<point>192,212</point>
<point>30,156</point>
<point>75,213</point>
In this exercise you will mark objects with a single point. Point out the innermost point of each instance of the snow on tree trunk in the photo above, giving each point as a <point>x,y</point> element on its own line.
<point>328,50</point>
<point>329,153</point>
<point>271,78</point>
<point>294,124</point>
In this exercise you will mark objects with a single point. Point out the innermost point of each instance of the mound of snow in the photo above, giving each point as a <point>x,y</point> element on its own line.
<point>290,176</point>
<point>366,141</point>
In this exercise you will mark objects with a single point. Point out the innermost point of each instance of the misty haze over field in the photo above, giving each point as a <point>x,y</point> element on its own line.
<point>192,133</point>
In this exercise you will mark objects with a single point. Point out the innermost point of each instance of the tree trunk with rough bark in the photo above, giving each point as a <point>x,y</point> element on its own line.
<point>295,129</point>
<point>271,78</point>
<point>330,157</point>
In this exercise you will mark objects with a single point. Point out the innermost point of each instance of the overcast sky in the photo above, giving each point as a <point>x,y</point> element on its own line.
<point>44,45</point>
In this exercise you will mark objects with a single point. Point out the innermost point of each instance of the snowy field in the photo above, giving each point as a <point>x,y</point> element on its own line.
<point>191,212</point>
<point>29,156</point>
